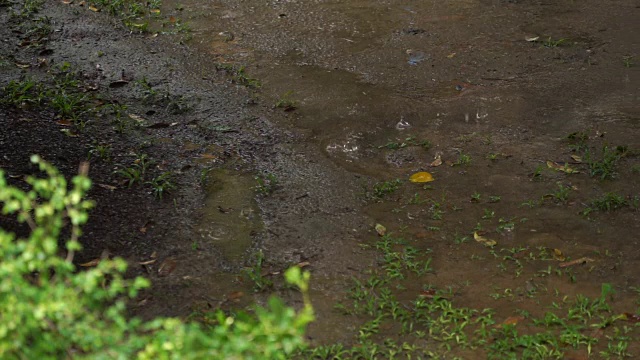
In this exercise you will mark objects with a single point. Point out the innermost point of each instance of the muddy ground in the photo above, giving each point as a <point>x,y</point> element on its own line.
<point>526,114</point>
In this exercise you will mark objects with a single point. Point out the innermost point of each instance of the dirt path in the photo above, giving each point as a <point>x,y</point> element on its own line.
<point>526,114</point>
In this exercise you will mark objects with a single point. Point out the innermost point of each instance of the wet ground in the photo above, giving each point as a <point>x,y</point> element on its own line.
<point>495,88</point>
<point>525,112</point>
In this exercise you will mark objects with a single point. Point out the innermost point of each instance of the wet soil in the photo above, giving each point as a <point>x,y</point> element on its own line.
<point>382,89</point>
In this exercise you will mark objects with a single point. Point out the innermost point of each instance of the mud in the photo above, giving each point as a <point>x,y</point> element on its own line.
<point>373,80</point>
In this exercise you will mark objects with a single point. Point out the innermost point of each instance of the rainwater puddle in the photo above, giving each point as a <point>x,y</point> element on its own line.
<point>231,217</point>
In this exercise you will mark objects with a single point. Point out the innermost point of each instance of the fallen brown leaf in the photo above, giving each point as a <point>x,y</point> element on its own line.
<point>167,267</point>
<point>582,260</point>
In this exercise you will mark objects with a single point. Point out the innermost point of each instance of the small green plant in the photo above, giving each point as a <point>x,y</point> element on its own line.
<point>552,43</point>
<point>100,151</point>
<point>285,102</point>
<point>537,173</point>
<point>136,172</point>
<point>162,184</point>
<point>608,202</point>
<point>463,159</point>
<point>628,61</point>
<point>604,165</point>
<point>488,214</point>
<point>255,275</point>
<point>239,76</point>
<point>266,184</point>
<point>475,197</point>
<point>382,189</point>
<point>23,93</point>
<point>561,195</point>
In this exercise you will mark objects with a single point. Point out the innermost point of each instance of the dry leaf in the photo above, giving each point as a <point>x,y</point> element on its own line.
<point>564,168</point>
<point>532,38</point>
<point>236,295</point>
<point>92,263</point>
<point>137,118</point>
<point>155,11</point>
<point>634,318</point>
<point>483,240</point>
<point>437,161</point>
<point>450,56</point>
<point>421,177</point>
<point>172,19</point>
<point>558,255</point>
<point>69,133</point>
<point>148,262</point>
<point>143,229</point>
<point>64,122</point>
<point>511,320</point>
<point>167,267</point>
<point>576,158</point>
<point>380,229</point>
<point>108,187</point>
<point>93,8</point>
<point>582,260</point>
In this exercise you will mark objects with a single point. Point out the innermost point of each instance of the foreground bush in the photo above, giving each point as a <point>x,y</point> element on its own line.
<point>51,310</point>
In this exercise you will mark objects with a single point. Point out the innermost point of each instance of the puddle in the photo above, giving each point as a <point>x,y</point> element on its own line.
<point>230,216</point>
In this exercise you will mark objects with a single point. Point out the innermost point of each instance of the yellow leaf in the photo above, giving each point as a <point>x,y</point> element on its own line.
<point>155,11</point>
<point>564,168</point>
<point>421,177</point>
<point>92,263</point>
<point>380,229</point>
<point>93,8</point>
<point>576,158</point>
<point>558,255</point>
<point>483,240</point>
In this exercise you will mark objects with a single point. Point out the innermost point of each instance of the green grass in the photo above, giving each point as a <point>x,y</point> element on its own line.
<point>286,103</point>
<point>162,184</point>
<point>385,188</point>
<point>266,184</point>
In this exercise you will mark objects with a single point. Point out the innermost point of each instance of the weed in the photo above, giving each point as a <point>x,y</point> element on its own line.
<point>149,93</point>
<point>285,102</point>
<point>135,173</point>
<point>100,151</point>
<point>561,195</point>
<point>266,185</point>
<point>416,200</point>
<point>609,201</point>
<point>628,61</point>
<point>537,173</point>
<point>132,174</point>
<point>254,273</point>
<point>382,189</point>
<point>28,8</point>
<point>162,184</point>
<point>242,78</point>
<point>463,159</point>
<point>494,199</point>
<point>604,166</point>
<point>551,43</point>
<point>23,93</point>
<point>475,197</point>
